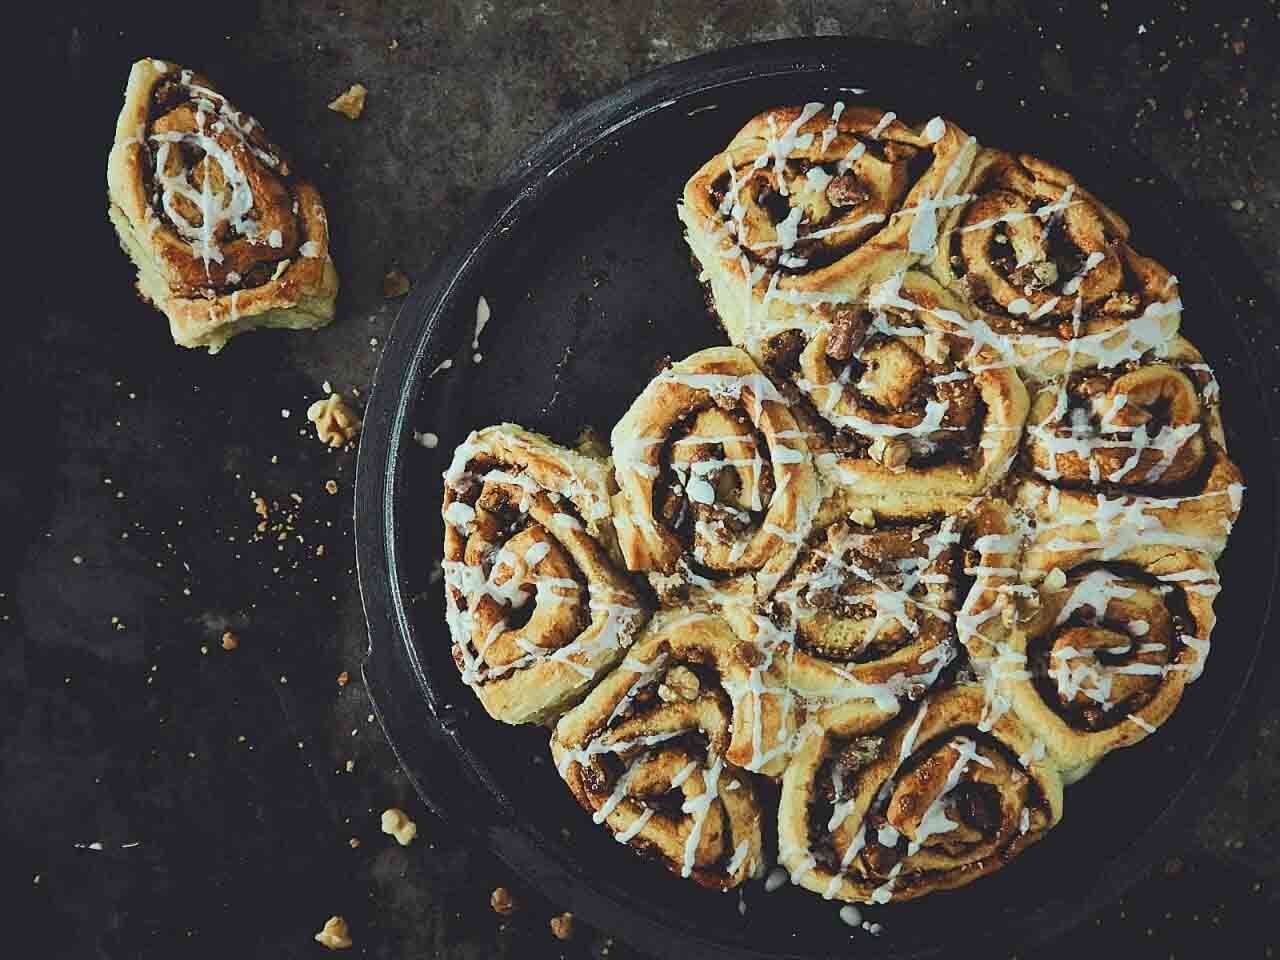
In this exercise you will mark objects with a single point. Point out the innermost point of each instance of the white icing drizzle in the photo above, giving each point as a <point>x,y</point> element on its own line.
<point>482,318</point>
<point>699,807</point>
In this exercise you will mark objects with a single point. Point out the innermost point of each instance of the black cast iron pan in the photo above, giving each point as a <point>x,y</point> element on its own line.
<point>580,256</point>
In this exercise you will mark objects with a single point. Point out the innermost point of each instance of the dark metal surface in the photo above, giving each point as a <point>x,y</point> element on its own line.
<point>580,257</point>
<point>127,464</point>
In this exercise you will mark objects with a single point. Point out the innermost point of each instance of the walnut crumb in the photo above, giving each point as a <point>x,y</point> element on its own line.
<point>260,507</point>
<point>889,453</point>
<point>335,935</point>
<point>680,683</point>
<point>503,903</point>
<point>351,103</point>
<point>353,843</point>
<point>336,423</point>
<point>394,284</point>
<point>562,926</point>
<point>396,823</point>
<point>344,678</point>
<point>863,516</point>
<point>229,640</point>
<point>331,487</point>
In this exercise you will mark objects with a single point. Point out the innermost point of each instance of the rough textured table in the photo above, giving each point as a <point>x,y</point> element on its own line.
<point>163,797</point>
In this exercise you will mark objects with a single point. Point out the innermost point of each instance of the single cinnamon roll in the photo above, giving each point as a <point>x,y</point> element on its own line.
<point>1107,645</point>
<point>877,610</point>
<point>1050,269</point>
<point>903,411</point>
<point>538,608</point>
<point>1138,452</point>
<point>874,812</point>
<point>658,750</point>
<point>224,236</point>
<point>715,479</point>
<point>812,204</point>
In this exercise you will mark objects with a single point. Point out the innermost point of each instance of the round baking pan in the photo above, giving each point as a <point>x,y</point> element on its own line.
<point>580,256</point>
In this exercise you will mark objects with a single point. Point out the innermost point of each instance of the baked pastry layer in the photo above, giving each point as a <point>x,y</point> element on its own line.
<point>225,238</point>
<point>932,538</point>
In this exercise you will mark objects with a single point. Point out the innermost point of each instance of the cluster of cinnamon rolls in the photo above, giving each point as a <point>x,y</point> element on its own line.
<point>866,588</point>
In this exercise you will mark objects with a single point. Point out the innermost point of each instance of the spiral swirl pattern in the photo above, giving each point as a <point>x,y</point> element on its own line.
<point>872,813</point>
<point>659,749</point>
<point>224,235</point>
<point>714,475</point>
<point>537,608</point>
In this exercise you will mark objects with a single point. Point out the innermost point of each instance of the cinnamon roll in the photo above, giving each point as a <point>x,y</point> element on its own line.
<point>658,750</point>
<point>1138,452</point>
<point>874,813</point>
<point>537,605</point>
<point>874,611</point>
<point>224,236</point>
<point>1050,271</point>
<point>811,205</point>
<point>714,476</point>
<point>1107,646</point>
<point>903,411</point>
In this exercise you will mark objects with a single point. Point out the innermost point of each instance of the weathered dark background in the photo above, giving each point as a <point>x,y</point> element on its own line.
<point>215,781</point>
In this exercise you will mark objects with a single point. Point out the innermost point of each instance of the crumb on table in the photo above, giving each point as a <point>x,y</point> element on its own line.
<point>335,934</point>
<point>502,902</point>
<point>562,926</point>
<point>396,823</point>
<point>395,284</point>
<point>336,423</point>
<point>350,103</point>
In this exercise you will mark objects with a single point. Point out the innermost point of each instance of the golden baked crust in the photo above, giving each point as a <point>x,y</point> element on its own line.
<point>679,715</point>
<point>866,810</point>
<point>855,178</point>
<point>1049,271</point>
<point>1106,647</point>
<point>538,607</point>
<point>225,239</point>
<point>713,470</point>
<point>902,414</point>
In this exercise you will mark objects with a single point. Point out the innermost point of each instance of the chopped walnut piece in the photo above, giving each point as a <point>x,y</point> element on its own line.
<point>394,284</point>
<point>335,935</point>
<point>1035,276</point>
<point>846,191</point>
<point>351,103</point>
<point>680,683</point>
<point>848,331</point>
<point>260,507</point>
<point>503,903</point>
<point>353,843</point>
<point>396,823</point>
<point>890,453</point>
<point>344,678</point>
<point>336,423</point>
<point>562,926</point>
<point>863,516</point>
<point>1122,303</point>
<point>331,487</point>
<point>229,640</point>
